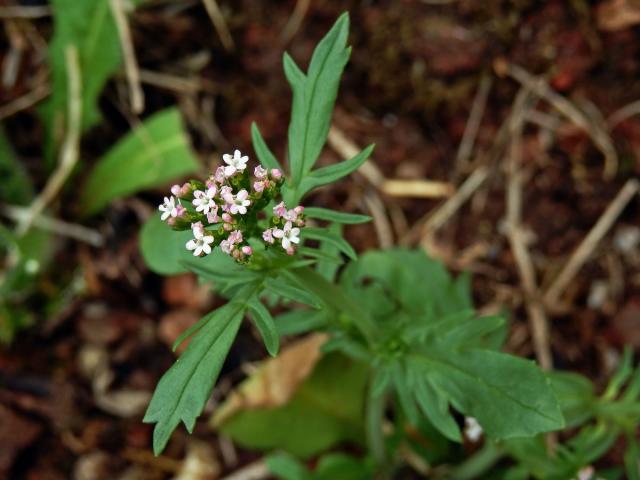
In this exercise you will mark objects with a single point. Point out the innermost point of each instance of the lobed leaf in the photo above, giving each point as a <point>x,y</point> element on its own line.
<point>152,154</point>
<point>185,388</point>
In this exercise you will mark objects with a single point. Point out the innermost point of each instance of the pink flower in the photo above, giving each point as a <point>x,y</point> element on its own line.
<point>258,186</point>
<point>180,210</point>
<point>239,203</point>
<point>175,190</point>
<point>227,218</point>
<point>247,250</point>
<point>226,246</point>
<point>212,216</point>
<point>267,235</point>
<point>219,175</point>
<point>235,237</point>
<point>280,210</point>
<point>289,235</point>
<point>276,173</point>
<point>260,172</point>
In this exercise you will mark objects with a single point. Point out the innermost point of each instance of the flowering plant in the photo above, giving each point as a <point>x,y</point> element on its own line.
<point>430,358</point>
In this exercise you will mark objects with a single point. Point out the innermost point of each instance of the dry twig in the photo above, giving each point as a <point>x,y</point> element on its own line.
<point>598,134</point>
<point>254,471</point>
<point>473,124</point>
<point>70,148</point>
<point>619,116</point>
<point>130,63</point>
<point>295,21</point>
<point>18,11</point>
<point>582,253</point>
<point>517,236</point>
<point>215,14</point>
<point>25,101</point>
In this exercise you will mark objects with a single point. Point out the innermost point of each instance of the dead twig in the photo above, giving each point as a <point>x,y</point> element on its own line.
<point>598,134</point>
<point>254,471</point>
<point>347,149</point>
<point>26,12</point>
<point>517,237</point>
<point>295,21</point>
<point>417,188</point>
<point>219,23</point>
<point>136,95</point>
<point>381,223</point>
<point>582,253</point>
<point>473,123</point>
<point>619,116</point>
<point>70,147</point>
<point>65,229</point>
<point>26,101</point>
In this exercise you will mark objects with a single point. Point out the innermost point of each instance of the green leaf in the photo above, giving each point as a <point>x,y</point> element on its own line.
<point>331,238</point>
<point>333,173</point>
<point>286,467</point>
<point>336,217</point>
<point>267,159</point>
<point>286,288</point>
<point>152,154</point>
<point>632,459</point>
<point>314,96</point>
<point>435,407</point>
<point>296,322</point>
<point>185,388</point>
<point>325,410</point>
<point>163,249</point>
<point>16,184</point>
<point>89,25</point>
<point>263,321</point>
<point>510,396</point>
<point>575,395</point>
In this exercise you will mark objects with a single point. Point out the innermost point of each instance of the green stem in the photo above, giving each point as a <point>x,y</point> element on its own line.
<point>374,419</point>
<point>477,465</point>
<point>334,297</point>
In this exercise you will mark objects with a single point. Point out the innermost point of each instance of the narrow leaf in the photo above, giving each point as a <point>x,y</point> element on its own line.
<point>263,321</point>
<point>314,97</point>
<point>331,238</point>
<point>284,288</point>
<point>333,173</point>
<point>335,216</point>
<point>435,407</point>
<point>266,157</point>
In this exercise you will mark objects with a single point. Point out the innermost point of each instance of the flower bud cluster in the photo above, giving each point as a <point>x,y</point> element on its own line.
<point>225,210</point>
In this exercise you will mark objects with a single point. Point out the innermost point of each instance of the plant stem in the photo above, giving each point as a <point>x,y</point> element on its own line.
<point>335,298</point>
<point>477,465</point>
<point>374,419</point>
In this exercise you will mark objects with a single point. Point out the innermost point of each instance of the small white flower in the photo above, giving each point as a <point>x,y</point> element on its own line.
<point>226,246</point>
<point>201,243</point>
<point>204,201</point>
<point>168,208</point>
<point>288,235</point>
<point>235,163</point>
<point>586,473</point>
<point>239,203</point>
<point>472,429</point>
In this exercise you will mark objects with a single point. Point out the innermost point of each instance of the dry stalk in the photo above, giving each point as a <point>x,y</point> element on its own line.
<point>598,134</point>
<point>465,149</point>
<point>584,250</point>
<point>136,95</point>
<point>70,147</point>
<point>219,23</point>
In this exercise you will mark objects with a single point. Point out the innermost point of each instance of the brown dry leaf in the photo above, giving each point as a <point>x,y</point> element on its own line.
<point>616,15</point>
<point>200,463</point>
<point>276,380</point>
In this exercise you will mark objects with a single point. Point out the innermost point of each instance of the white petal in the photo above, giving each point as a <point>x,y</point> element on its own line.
<point>278,233</point>
<point>206,249</point>
<point>230,170</point>
<point>293,239</point>
<point>286,243</point>
<point>295,232</point>
<point>191,244</point>
<point>242,209</point>
<point>197,251</point>
<point>208,239</point>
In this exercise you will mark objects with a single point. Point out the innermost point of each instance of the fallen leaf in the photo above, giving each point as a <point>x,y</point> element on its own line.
<point>276,380</point>
<point>616,15</point>
<point>200,463</point>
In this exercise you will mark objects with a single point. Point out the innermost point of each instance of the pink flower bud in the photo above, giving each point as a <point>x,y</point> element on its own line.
<point>267,236</point>
<point>247,250</point>
<point>227,218</point>
<point>299,209</point>
<point>276,173</point>
<point>258,186</point>
<point>228,227</point>
<point>280,210</point>
<point>290,251</point>
<point>175,190</point>
<point>180,211</point>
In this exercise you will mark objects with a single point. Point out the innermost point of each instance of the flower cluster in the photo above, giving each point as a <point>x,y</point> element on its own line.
<point>231,207</point>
